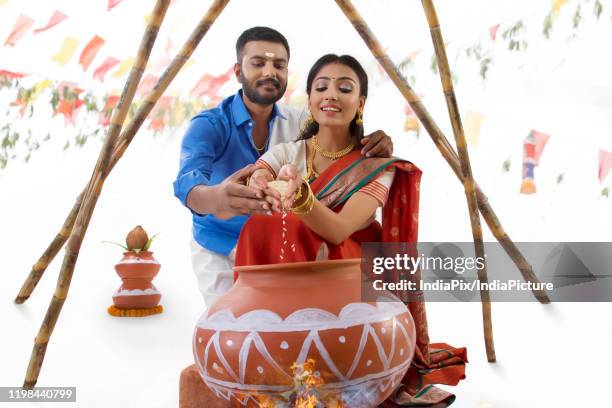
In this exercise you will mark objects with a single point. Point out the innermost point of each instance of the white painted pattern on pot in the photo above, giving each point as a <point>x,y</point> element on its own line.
<point>356,392</point>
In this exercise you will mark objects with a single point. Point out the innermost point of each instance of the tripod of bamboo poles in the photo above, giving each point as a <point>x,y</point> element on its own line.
<point>76,223</point>
<point>112,150</point>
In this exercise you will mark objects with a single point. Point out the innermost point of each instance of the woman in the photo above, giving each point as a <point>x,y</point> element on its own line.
<point>330,203</point>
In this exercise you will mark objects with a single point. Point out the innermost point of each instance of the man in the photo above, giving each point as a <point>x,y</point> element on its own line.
<point>220,147</point>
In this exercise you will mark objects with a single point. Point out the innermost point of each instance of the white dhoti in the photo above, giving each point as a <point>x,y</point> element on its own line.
<point>214,272</point>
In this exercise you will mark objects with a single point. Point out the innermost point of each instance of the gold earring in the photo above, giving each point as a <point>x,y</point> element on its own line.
<point>359,120</point>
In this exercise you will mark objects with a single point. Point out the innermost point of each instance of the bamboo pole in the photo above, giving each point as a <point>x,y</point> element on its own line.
<point>440,141</point>
<point>466,168</point>
<point>91,194</point>
<point>126,137</point>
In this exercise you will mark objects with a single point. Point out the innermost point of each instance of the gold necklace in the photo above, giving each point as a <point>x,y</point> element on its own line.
<point>311,174</point>
<point>331,155</point>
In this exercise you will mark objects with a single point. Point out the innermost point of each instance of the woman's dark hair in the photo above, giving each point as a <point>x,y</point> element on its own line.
<point>259,34</point>
<point>312,128</point>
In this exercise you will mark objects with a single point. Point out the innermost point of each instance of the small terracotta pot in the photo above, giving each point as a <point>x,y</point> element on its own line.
<point>137,291</point>
<point>278,315</point>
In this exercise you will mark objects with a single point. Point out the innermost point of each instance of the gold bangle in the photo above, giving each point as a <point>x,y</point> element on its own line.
<point>305,195</point>
<point>307,205</point>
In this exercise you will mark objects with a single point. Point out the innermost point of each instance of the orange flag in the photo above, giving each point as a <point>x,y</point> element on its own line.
<point>90,51</point>
<point>605,164</point>
<point>113,3</point>
<point>105,115</point>
<point>55,19</point>
<point>101,71</point>
<point>22,25</point>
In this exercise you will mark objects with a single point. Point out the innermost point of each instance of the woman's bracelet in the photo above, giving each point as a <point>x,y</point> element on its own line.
<point>306,205</point>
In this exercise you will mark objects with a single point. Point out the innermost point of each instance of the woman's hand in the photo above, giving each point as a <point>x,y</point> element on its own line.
<point>292,176</point>
<point>259,181</point>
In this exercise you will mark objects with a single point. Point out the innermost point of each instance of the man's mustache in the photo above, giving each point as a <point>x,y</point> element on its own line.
<point>272,82</point>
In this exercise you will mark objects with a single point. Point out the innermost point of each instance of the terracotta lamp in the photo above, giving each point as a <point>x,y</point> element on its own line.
<point>137,296</point>
<point>299,334</point>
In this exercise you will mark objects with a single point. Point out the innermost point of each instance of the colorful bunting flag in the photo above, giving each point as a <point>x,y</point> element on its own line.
<point>124,67</point>
<point>471,126</point>
<point>55,19</point>
<point>605,164</point>
<point>209,84</point>
<point>160,113</point>
<point>557,4</point>
<point>10,74</point>
<point>146,85</point>
<point>69,102</point>
<point>66,52</point>
<point>90,51</point>
<point>411,123</point>
<point>159,66</point>
<point>533,146</point>
<point>110,104</point>
<point>101,71</point>
<point>493,32</point>
<point>113,3</point>
<point>22,25</point>
<point>540,142</point>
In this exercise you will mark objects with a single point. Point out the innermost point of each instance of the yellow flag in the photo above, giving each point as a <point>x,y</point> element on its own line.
<point>3,2</point>
<point>42,85</point>
<point>124,67</point>
<point>69,46</point>
<point>557,4</point>
<point>471,126</point>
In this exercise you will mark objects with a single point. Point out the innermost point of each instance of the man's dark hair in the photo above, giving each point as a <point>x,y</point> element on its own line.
<point>259,34</point>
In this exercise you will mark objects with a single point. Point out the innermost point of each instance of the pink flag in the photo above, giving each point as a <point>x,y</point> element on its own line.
<point>113,3</point>
<point>540,140</point>
<point>101,71</point>
<point>55,19</point>
<point>90,51</point>
<point>22,25</point>
<point>209,85</point>
<point>10,74</point>
<point>493,32</point>
<point>605,164</point>
<point>146,85</point>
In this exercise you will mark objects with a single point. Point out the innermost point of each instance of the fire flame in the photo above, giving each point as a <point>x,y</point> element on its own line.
<point>306,392</point>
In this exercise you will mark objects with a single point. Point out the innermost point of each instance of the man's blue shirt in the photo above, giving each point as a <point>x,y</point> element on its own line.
<point>217,143</point>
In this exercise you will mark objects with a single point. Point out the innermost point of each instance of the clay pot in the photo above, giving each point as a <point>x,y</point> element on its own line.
<point>278,315</point>
<point>137,291</point>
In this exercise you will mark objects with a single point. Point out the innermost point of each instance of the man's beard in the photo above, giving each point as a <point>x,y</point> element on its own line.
<point>253,94</point>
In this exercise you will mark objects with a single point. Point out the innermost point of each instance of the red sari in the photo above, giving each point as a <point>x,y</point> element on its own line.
<point>436,363</point>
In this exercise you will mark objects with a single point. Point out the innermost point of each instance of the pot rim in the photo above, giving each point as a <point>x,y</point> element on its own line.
<point>286,267</point>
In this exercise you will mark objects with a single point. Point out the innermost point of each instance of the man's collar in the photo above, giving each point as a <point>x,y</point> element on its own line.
<point>241,114</point>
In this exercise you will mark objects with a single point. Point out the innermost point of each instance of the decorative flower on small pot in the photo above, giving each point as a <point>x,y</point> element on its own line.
<point>137,296</point>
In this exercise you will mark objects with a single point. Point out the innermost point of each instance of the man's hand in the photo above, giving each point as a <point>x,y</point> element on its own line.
<point>230,198</point>
<point>377,144</point>
<point>234,197</point>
